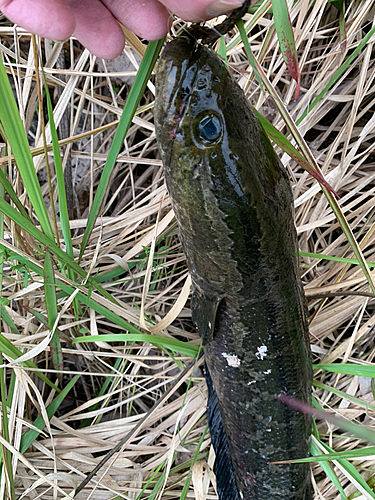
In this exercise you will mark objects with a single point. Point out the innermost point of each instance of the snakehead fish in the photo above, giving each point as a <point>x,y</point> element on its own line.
<point>234,206</point>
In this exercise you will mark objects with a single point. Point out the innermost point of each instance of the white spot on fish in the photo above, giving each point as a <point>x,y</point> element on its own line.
<point>267,372</point>
<point>209,324</point>
<point>232,359</point>
<point>261,354</point>
<point>251,382</point>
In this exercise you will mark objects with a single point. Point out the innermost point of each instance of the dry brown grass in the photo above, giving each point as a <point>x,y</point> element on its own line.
<point>137,212</point>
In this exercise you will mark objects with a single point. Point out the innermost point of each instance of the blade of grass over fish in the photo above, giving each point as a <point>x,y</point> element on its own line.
<point>134,97</point>
<point>51,307</point>
<point>50,244</point>
<point>342,68</point>
<point>30,436</point>
<point>15,134</point>
<point>174,345</point>
<point>288,148</point>
<point>336,259</point>
<point>309,159</point>
<point>285,36</point>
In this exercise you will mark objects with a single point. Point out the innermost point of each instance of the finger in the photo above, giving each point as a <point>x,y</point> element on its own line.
<point>97,29</point>
<point>149,20</point>
<point>49,18</point>
<point>200,10</point>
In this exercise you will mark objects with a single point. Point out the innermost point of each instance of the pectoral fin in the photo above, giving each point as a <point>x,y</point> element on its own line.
<point>203,310</point>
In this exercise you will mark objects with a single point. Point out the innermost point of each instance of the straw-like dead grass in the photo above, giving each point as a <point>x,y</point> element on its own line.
<point>117,383</point>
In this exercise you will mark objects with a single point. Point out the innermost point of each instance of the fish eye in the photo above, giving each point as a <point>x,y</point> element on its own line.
<point>210,128</point>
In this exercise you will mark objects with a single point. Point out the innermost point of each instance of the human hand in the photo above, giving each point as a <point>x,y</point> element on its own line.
<point>94,22</point>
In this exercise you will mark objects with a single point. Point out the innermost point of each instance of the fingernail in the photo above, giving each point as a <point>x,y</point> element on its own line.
<point>219,7</point>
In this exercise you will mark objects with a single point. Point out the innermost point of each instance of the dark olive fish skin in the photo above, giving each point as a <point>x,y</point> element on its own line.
<point>234,206</point>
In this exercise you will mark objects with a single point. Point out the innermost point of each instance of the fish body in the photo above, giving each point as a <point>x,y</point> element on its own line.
<point>234,206</point>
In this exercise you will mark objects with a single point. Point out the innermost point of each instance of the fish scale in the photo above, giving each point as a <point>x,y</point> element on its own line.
<point>234,206</point>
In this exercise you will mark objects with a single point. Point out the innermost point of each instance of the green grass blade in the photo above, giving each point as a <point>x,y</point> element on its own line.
<point>336,259</point>
<point>174,345</point>
<point>5,316</point>
<point>15,134</point>
<point>344,395</point>
<point>28,438</point>
<point>6,456</point>
<point>327,468</point>
<point>63,206</point>
<point>350,470</point>
<point>9,189</point>
<point>51,307</point>
<point>348,369</point>
<point>340,5</point>
<point>150,480</point>
<point>288,148</point>
<point>364,452</point>
<point>134,97</point>
<point>285,36</point>
<point>258,10</point>
<point>222,52</point>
